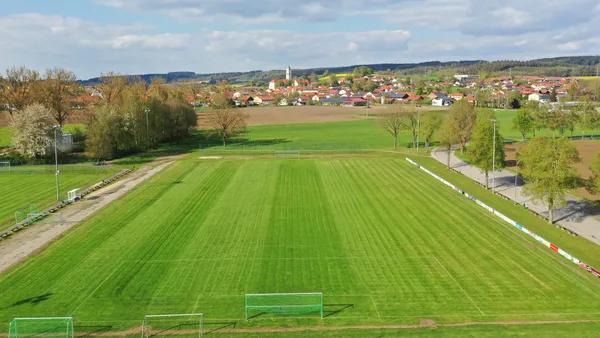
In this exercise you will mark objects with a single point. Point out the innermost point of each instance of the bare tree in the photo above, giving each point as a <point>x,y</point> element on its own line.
<point>18,90</point>
<point>226,123</point>
<point>112,85</point>
<point>33,133</point>
<point>58,91</point>
<point>394,122</point>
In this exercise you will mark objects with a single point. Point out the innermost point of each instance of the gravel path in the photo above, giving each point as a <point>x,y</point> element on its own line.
<point>577,216</point>
<point>27,242</point>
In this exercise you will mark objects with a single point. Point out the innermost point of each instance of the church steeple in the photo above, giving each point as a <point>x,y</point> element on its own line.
<point>288,73</point>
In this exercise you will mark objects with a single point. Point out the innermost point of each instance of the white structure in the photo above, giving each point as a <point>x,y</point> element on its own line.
<point>288,73</point>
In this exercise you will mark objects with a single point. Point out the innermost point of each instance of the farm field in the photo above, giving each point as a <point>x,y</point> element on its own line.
<point>384,242</point>
<point>26,185</point>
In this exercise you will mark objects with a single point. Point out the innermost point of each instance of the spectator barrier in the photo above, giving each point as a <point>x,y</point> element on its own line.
<point>538,238</point>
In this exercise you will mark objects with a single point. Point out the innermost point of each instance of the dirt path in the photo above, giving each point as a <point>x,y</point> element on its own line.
<point>29,241</point>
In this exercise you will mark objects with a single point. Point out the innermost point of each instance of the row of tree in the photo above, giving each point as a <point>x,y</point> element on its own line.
<point>547,164</point>
<point>131,116</point>
<point>559,119</point>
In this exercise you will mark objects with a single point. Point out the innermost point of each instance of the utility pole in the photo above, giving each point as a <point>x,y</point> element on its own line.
<point>418,126</point>
<point>516,177</point>
<point>56,162</point>
<point>147,131</point>
<point>494,160</point>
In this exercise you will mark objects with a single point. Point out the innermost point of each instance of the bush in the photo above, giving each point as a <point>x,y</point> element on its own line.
<point>79,134</point>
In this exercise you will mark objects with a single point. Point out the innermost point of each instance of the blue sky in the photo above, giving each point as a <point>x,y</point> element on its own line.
<point>154,36</point>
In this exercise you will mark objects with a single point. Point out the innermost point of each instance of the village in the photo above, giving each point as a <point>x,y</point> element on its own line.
<point>492,92</point>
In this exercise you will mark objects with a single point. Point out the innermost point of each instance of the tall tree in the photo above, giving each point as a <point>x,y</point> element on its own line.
<point>112,85</point>
<point>58,92</point>
<point>33,132</point>
<point>462,118</point>
<point>448,138</point>
<point>19,88</point>
<point>394,122</point>
<point>571,121</point>
<point>523,122</point>
<point>548,168</point>
<point>481,148</point>
<point>226,123</point>
<point>430,123</point>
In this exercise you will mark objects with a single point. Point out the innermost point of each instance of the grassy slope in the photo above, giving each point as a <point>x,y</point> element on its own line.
<point>375,233</point>
<point>23,187</point>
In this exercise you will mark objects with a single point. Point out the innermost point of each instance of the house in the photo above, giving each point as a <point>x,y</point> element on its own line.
<point>333,101</point>
<point>84,101</point>
<point>275,82</point>
<point>441,102</point>
<point>263,100</point>
<point>471,99</point>
<point>414,98</point>
<point>301,83</point>
<point>355,101</point>
<point>539,97</point>
<point>457,96</point>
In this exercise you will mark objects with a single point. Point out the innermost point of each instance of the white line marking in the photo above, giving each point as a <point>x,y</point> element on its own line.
<point>375,306</point>
<point>98,287</point>
<point>455,281</point>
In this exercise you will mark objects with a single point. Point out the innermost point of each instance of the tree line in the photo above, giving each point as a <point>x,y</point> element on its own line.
<point>547,164</point>
<point>131,116</point>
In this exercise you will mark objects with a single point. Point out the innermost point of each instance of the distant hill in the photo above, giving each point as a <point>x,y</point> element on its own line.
<point>559,66</point>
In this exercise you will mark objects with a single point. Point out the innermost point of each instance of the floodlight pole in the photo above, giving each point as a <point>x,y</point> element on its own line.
<point>56,162</point>
<point>419,126</point>
<point>494,160</point>
<point>516,177</point>
<point>147,131</point>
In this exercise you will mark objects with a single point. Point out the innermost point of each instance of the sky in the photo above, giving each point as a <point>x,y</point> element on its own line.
<point>91,37</point>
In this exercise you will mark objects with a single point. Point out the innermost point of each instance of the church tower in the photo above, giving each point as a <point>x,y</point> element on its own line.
<point>288,73</point>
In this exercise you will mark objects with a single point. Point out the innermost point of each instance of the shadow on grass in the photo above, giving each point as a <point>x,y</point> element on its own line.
<point>31,300</point>
<point>337,308</point>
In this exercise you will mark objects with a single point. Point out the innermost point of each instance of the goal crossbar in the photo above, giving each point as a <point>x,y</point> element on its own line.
<point>169,317</point>
<point>285,303</point>
<point>19,325</point>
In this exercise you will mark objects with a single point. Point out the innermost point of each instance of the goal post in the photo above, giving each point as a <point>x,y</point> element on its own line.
<point>5,167</point>
<point>41,326</point>
<point>45,218</point>
<point>287,154</point>
<point>187,324</point>
<point>285,303</point>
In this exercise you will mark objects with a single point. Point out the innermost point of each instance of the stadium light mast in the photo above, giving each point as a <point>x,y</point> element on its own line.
<point>418,126</point>
<point>56,128</point>
<point>516,177</point>
<point>147,131</point>
<point>494,159</point>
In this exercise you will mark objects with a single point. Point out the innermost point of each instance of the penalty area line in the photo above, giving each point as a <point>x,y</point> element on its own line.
<point>455,281</point>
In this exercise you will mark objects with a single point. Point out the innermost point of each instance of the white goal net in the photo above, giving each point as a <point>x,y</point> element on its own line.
<point>4,167</point>
<point>180,325</point>
<point>287,154</point>
<point>45,218</point>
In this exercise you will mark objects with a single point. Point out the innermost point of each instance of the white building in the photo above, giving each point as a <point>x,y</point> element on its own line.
<point>288,73</point>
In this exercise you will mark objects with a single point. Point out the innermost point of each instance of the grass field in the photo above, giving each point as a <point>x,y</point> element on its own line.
<point>26,185</point>
<point>5,136</point>
<point>386,243</point>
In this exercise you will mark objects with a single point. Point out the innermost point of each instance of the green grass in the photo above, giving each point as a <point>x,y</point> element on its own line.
<point>348,135</point>
<point>5,136</point>
<point>26,185</point>
<point>386,243</point>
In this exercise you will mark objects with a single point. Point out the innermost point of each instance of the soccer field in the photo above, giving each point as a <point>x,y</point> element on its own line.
<point>384,242</point>
<point>26,185</point>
